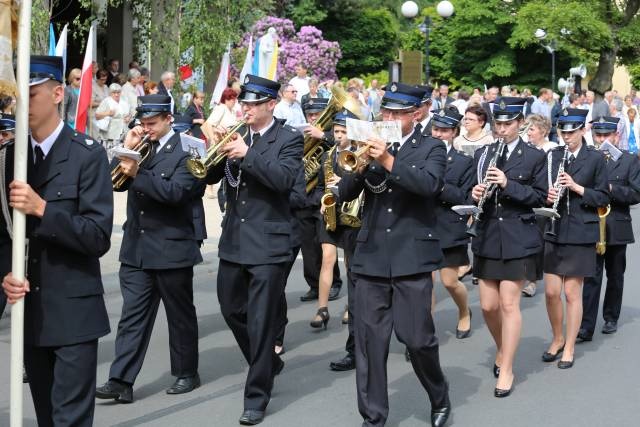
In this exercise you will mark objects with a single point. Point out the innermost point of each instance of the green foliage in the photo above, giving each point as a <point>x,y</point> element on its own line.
<point>307,12</point>
<point>368,40</point>
<point>381,76</point>
<point>40,26</point>
<point>634,71</point>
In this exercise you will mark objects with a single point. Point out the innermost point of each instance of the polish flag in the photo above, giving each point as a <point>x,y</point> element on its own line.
<point>86,83</point>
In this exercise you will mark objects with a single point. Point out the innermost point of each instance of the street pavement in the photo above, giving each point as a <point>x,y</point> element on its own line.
<point>602,389</point>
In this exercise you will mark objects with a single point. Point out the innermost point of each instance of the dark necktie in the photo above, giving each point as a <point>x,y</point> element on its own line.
<point>254,138</point>
<point>152,152</point>
<point>571,159</point>
<point>39,156</point>
<point>503,158</point>
<point>395,148</point>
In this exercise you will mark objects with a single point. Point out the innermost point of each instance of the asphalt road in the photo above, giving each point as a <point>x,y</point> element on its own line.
<point>602,389</point>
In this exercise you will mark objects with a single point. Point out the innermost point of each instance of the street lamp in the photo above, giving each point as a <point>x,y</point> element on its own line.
<point>541,35</point>
<point>409,10</point>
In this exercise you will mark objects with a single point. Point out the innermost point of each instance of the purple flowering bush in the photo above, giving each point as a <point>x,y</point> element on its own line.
<point>305,46</point>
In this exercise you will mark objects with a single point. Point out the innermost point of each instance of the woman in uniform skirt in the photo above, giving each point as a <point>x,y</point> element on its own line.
<point>458,180</point>
<point>343,236</point>
<point>570,251</point>
<point>507,236</point>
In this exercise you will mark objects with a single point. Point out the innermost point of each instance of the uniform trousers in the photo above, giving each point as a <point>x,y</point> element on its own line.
<point>614,261</point>
<point>312,252</point>
<point>349,246</point>
<point>249,296</point>
<point>63,383</point>
<point>402,304</point>
<point>142,291</point>
<point>281,316</point>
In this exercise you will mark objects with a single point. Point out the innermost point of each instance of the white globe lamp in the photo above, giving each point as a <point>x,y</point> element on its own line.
<point>444,9</point>
<point>409,9</point>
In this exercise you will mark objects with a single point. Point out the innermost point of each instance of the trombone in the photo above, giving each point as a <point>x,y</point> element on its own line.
<point>118,178</point>
<point>199,167</point>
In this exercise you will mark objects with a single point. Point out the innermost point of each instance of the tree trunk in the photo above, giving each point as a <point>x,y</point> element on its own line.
<point>603,80</point>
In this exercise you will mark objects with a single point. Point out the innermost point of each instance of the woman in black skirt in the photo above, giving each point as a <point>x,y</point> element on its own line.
<point>508,238</point>
<point>570,251</point>
<point>458,180</point>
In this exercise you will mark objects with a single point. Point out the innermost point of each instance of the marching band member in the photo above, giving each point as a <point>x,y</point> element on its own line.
<point>7,129</point>
<point>426,115</point>
<point>255,244</point>
<point>507,237</point>
<point>570,251</point>
<point>343,236</point>
<point>69,207</point>
<point>309,217</point>
<point>397,249</point>
<point>159,249</point>
<point>624,188</point>
<point>459,178</point>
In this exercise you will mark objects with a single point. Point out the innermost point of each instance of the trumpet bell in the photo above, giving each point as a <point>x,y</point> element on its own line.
<point>197,168</point>
<point>348,161</point>
<point>546,212</point>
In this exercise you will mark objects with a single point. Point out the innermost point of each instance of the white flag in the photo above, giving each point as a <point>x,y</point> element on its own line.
<point>246,68</point>
<point>223,79</point>
<point>61,48</point>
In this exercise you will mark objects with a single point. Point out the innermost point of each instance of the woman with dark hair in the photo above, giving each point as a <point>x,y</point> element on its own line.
<point>195,114</point>
<point>150,88</point>
<point>475,119</point>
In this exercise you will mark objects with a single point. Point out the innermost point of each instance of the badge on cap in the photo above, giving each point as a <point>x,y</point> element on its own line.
<point>246,79</point>
<point>442,113</point>
<point>601,119</point>
<point>139,102</point>
<point>565,112</point>
<point>394,88</point>
<point>502,105</point>
<point>310,102</point>
<point>345,112</point>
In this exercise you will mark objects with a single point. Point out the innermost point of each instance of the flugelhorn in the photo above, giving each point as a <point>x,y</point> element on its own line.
<point>118,178</point>
<point>351,161</point>
<point>200,167</point>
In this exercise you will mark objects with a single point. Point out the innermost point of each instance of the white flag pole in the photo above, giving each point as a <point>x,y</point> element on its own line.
<point>19,219</point>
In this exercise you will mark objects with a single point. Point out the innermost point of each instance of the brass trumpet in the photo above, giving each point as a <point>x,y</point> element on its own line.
<point>199,167</point>
<point>118,178</point>
<point>350,161</point>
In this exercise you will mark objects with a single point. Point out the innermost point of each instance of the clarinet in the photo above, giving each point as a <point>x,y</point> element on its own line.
<point>560,189</point>
<point>489,188</point>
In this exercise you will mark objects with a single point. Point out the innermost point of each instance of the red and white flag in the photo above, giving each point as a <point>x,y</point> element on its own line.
<point>86,84</point>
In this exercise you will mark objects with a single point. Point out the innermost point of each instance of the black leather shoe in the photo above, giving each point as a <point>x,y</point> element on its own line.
<point>278,367</point>
<point>407,355</point>
<point>251,417</point>
<point>584,335</point>
<point>499,392</point>
<point>311,295</point>
<point>440,416</point>
<point>334,293</point>
<point>347,363</point>
<point>610,327</point>
<point>551,357</point>
<point>565,364</point>
<point>496,370</point>
<point>460,334</point>
<point>114,389</point>
<point>184,385</point>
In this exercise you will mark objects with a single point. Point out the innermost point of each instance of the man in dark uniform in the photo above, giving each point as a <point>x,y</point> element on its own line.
<point>7,129</point>
<point>255,244</point>
<point>624,190</point>
<point>424,120</point>
<point>397,249</point>
<point>158,252</point>
<point>69,207</point>
<point>310,215</point>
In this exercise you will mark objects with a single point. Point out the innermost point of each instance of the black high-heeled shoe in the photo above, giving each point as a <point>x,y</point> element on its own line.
<point>460,334</point>
<point>496,370</point>
<point>323,314</point>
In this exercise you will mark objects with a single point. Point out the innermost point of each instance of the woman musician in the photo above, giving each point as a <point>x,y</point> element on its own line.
<point>337,233</point>
<point>570,248</point>
<point>507,236</point>
<point>454,240</point>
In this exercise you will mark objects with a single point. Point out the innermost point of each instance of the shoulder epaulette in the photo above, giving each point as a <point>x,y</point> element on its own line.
<point>85,140</point>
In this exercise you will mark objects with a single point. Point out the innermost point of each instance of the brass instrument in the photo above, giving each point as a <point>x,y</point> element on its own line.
<point>472,230</point>
<point>200,167</point>
<point>560,189</point>
<point>603,212</point>
<point>118,178</point>
<point>328,200</point>
<point>351,161</point>
<point>313,147</point>
<point>350,212</point>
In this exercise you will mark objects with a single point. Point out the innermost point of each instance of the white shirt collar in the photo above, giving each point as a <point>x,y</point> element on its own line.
<point>425,122</point>
<point>264,129</point>
<point>448,146</point>
<point>163,140</point>
<point>46,145</point>
<point>512,146</point>
<point>575,153</point>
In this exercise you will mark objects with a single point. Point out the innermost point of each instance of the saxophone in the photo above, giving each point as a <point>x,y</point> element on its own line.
<point>328,200</point>
<point>603,212</point>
